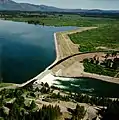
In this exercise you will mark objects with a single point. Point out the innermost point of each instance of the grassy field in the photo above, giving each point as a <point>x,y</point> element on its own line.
<point>5,84</point>
<point>65,20</point>
<point>104,37</point>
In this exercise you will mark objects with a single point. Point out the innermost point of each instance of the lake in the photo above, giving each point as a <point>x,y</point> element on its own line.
<point>26,50</point>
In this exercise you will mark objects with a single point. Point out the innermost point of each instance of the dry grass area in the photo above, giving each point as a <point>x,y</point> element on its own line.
<point>90,114</point>
<point>73,64</point>
<point>64,46</point>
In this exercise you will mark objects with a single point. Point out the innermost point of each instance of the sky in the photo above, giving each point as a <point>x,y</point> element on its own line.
<point>84,4</point>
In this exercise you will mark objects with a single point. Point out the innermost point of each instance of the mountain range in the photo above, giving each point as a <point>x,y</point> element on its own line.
<point>11,6</point>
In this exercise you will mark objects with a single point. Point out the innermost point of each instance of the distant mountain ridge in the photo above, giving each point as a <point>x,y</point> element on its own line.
<point>11,6</point>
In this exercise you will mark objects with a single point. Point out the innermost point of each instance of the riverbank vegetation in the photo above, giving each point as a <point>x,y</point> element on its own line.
<point>81,98</point>
<point>57,19</point>
<point>15,104</point>
<point>109,107</point>
<point>108,67</point>
<point>109,110</point>
<point>102,38</point>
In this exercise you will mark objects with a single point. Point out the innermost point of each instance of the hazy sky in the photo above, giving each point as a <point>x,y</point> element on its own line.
<point>90,4</point>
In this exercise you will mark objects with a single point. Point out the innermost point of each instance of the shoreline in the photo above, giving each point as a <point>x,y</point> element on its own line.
<point>95,77</point>
<point>57,53</point>
<point>44,74</point>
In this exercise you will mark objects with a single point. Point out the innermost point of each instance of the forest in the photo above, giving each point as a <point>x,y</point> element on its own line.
<point>15,104</point>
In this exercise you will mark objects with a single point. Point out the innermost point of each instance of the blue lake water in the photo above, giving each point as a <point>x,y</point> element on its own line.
<point>25,50</point>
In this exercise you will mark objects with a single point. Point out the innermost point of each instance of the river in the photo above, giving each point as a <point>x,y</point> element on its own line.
<point>89,86</point>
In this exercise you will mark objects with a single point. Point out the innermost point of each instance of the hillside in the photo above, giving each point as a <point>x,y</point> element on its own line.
<point>11,5</point>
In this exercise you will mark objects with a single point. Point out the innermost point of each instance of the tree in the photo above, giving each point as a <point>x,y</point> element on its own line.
<point>18,92</point>
<point>112,112</point>
<point>37,89</point>
<point>43,90</point>
<point>107,55</point>
<point>115,63</point>
<point>33,105</point>
<point>2,114</point>
<point>108,63</point>
<point>20,101</point>
<point>46,85</point>
<point>92,61</point>
<point>32,94</point>
<point>97,62</point>
<point>114,54</point>
<point>14,113</point>
<point>114,66</point>
<point>42,84</point>
<point>1,101</point>
<point>79,113</point>
<point>86,60</point>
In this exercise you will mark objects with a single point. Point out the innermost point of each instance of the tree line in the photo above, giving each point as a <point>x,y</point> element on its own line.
<point>18,110</point>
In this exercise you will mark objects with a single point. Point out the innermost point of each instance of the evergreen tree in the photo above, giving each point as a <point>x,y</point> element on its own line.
<point>33,105</point>
<point>79,113</point>
<point>46,85</point>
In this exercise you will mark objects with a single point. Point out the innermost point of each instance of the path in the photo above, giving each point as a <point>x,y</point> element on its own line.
<point>64,46</point>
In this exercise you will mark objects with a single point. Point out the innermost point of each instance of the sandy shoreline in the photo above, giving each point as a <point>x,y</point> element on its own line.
<point>58,56</point>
